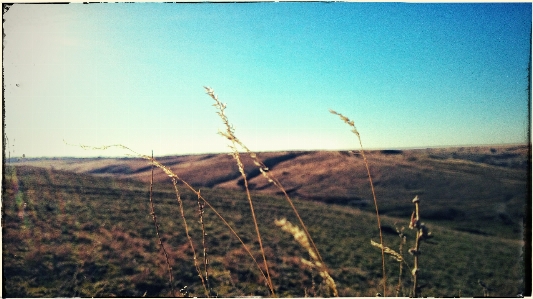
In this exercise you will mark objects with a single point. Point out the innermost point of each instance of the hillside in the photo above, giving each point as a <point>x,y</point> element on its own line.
<point>69,234</point>
<point>465,188</point>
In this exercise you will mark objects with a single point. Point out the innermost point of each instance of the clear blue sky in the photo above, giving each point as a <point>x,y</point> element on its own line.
<point>409,75</point>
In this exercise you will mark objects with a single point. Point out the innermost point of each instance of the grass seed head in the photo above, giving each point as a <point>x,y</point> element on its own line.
<point>301,238</point>
<point>388,250</point>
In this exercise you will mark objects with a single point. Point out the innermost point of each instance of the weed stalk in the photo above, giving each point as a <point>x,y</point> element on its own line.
<point>422,233</point>
<point>403,240</point>
<point>230,135</point>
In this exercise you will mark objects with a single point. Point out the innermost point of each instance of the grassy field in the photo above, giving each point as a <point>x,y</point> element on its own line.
<point>481,190</point>
<point>78,234</point>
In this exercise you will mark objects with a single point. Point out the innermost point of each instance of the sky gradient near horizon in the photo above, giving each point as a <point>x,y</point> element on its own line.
<point>409,75</point>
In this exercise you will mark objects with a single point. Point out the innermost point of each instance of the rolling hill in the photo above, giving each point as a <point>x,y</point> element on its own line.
<point>482,190</point>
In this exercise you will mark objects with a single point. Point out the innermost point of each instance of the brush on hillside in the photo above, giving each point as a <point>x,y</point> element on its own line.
<point>354,130</point>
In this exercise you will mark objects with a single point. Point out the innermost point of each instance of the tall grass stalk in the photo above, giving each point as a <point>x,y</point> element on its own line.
<point>267,175</point>
<point>154,218</point>
<point>230,135</point>
<point>354,130</point>
<point>416,250</point>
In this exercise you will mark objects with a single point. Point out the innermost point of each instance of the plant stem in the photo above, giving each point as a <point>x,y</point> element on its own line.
<point>416,251</point>
<point>195,259</point>
<point>154,217</point>
<point>206,261</point>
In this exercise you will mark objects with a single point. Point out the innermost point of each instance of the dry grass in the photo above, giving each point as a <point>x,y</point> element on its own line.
<point>67,235</point>
<point>230,135</point>
<point>241,154</point>
<point>301,236</point>
<point>265,171</point>
<point>316,263</point>
<point>175,178</point>
<point>195,258</point>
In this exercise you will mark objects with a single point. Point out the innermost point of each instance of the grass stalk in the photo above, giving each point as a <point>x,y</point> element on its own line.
<point>416,252</point>
<point>248,195</point>
<point>154,218</point>
<point>354,130</point>
<point>270,178</point>
<point>173,175</point>
<point>195,259</point>
<point>206,260</point>
<point>230,135</point>
<point>266,174</point>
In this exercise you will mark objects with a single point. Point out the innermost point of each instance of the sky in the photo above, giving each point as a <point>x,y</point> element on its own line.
<point>409,76</point>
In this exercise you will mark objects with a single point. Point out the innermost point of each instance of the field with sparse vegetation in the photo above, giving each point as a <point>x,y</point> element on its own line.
<point>81,235</point>
<point>290,224</point>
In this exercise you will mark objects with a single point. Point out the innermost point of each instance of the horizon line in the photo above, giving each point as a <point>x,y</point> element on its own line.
<point>18,158</point>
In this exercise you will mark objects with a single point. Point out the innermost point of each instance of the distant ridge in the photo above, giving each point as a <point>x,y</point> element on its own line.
<point>490,180</point>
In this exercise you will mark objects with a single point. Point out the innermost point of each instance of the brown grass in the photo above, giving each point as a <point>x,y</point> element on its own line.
<point>316,262</point>
<point>175,178</point>
<point>300,234</point>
